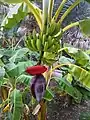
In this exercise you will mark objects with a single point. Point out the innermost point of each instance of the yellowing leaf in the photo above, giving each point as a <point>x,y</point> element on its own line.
<point>6,108</point>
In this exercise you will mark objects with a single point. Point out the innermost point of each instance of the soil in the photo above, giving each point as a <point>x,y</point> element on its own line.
<point>58,109</point>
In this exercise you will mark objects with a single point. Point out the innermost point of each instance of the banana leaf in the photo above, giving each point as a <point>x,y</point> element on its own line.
<point>64,85</point>
<point>19,68</point>
<point>15,15</point>
<point>81,75</point>
<point>16,99</point>
<point>19,54</point>
<point>79,56</point>
<point>26,79</point>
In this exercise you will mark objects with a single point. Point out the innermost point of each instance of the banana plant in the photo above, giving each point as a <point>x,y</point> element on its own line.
<point>47,44</point>
<point>10,74</point>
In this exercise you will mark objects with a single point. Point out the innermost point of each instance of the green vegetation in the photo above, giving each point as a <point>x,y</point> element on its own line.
<point>74,78</point>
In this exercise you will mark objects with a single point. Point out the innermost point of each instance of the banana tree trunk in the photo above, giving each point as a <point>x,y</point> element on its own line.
<point>43,111</point>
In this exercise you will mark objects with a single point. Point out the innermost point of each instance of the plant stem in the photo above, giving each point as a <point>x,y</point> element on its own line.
<point>45,15</point>
<point>69,10</point>
<point>41,56</point>
<point>59,9</point>
<point>50,10</point>
<point>42,112</point>
<point>34,12</point>
<point>70,26</point>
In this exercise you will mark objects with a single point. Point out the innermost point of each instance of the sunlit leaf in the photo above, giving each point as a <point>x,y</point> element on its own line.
<point>81,75</point>
<point>79,56</point>
<point>15,15</point>
<point>64,60</point>
<point>19,54</point>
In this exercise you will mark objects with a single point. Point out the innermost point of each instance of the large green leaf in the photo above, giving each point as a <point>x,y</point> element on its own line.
<point>81,75</point>
<point>84,26</point>
<point>11,1</point>
<point>24,79</point>
<point>69,89</point>
<point>15,15</point>
<point>80,56</point>
<point>19,68</point>
<point>19,54</point>
<point>64,60</point>
<point>16,100</point>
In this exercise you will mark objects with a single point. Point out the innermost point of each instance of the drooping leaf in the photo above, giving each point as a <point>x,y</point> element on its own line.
<point>16,100</point>
<point>81,75</point>
<point>84,26</point>
<point>19,54</point>
<point>15,15</point>
<point>79,56</point>
<point>69,89</point>
<point>24,79</point>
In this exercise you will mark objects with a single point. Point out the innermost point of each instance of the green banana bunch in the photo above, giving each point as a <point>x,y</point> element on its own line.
<point>33,42</point>
<point>42,42</point>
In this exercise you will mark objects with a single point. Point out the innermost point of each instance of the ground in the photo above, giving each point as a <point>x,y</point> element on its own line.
<point>58,110</point>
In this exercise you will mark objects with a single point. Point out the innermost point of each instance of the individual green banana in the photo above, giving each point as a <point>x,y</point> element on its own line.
<point>50,41</point>
<point>44,39</point>
<point>57,29</point>
<point>38,44</point>
<point>29,46</point>
<point>51,29</point>
<point>33,43</point>
<point>51,49</point>
<point>46,46</point>
<point>40,36</point>
<point>56,47</point>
